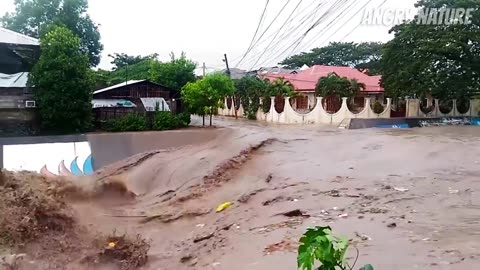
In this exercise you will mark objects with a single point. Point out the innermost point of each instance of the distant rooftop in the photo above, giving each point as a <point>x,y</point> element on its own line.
<point>118,86</point>
<point>11,37</point>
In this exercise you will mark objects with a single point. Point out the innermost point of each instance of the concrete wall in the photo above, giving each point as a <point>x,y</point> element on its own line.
<point>319,116</point>
<point>413,109</point>
<point>54,155</point>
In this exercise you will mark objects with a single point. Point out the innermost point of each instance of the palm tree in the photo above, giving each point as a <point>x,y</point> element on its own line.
<point>281,87</point>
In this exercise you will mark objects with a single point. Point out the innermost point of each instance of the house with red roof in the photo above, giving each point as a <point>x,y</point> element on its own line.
<point>304,81</point>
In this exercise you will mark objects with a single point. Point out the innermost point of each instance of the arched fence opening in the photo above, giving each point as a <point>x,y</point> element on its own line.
<point>427,106</point>
<point>399,108</point>
<point>356,104</point>
<point>377,106</point>
<point>332,104</point>
<point>300,104</point>
<point>266,104</point>
<point>445,106</point>
<point>463,105</point>
<point>279,103</point>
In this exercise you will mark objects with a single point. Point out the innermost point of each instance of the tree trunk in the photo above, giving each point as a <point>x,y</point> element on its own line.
<point>203,116</point>
<point>211,114</point>
<point>235,106</point>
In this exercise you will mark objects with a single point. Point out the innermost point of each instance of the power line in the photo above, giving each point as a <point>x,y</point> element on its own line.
<point>349,33</point>
<point>300,39</point>
<point>256,32</point>
<point>274,19</point>
<point>293,29</point>
<point>316,24</point>
<point>288,22</point>
<point>326,29</point>
<point>268,46</point>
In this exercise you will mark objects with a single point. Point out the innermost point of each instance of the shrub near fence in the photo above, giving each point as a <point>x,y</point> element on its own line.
<point>129,122</point>
<point>167,120</point>
<point>140,122</point>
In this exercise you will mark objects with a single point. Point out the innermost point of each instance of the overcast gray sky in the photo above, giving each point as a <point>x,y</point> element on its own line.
<point>206,29</point>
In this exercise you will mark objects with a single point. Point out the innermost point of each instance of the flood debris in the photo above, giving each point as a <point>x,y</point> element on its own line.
<point>294,213</point>
<point>400,189</point>
<point>11,262</point>
<point>392,225</point>
<point>277,199</point>
<point>186,258</point>
<point>363,237</point>
<point>125,252</point>
<point>203,237</point>
<point>223,206</point>
<point>287,245</point>
<point>269,178</point>
<point>453,191</point>
<point>176,215</point>
<point>244,198</point>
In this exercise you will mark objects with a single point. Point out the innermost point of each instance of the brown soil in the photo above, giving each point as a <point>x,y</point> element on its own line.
<point>39,230</point>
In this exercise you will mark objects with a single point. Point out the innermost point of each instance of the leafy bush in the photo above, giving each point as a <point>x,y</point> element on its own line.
<point>377,107</point>
<point>167,120</point>
<point>185,119</point>
<point>319,244</point>
<point>130,122</point>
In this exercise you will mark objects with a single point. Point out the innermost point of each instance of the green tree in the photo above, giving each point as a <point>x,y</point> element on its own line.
<point>174,74</point>
<point>32,17</point>
<point>358,55</point>
<point>250,90</point>
<point>126,68</point>
<point>62,82</point>
<point>205,96</point>
<point>121,60</point>
<point>280,87</point>
<point>195,99</point>
<point>441,60</point>
<point>335,85</point>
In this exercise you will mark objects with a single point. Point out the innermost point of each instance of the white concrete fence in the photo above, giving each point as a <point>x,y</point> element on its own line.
<point>320,116</point>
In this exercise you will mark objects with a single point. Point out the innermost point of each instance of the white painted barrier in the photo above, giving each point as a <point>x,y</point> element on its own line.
<point>319,116</point>
<point>74,158</point>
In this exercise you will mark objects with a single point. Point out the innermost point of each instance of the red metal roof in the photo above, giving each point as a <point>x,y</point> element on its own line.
<point>306,80</point>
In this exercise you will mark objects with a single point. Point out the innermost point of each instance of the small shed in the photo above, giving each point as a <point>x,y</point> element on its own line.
<point>138,96</point>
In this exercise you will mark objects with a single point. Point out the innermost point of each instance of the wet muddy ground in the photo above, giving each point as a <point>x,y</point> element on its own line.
<point>407,199</point>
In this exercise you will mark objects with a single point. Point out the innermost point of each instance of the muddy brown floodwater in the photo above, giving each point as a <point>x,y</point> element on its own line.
<point>407,199</point>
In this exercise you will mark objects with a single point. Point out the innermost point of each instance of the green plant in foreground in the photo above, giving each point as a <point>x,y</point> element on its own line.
<point>319,244</point>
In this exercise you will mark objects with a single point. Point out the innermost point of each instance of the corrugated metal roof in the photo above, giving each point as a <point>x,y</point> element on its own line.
<point>306,80</point>
<point>118,86</point>
<point>11,37</point>
<point>18,80</point>
<point>150,104</point>
<point>106,103</point>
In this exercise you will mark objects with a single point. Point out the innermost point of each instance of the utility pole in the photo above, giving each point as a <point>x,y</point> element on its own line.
<point>204,69</point>
<point>230,75</point>
<point>226,63</point>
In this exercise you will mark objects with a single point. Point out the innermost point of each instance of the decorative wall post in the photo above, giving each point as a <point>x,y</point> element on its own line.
<point>437,107</point>
<point>454,108</point>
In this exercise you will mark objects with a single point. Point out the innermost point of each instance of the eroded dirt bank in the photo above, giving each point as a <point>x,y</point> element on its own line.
<point>407,199</point>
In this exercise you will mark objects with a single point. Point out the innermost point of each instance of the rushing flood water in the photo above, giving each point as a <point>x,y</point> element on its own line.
<point>360,182</point>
